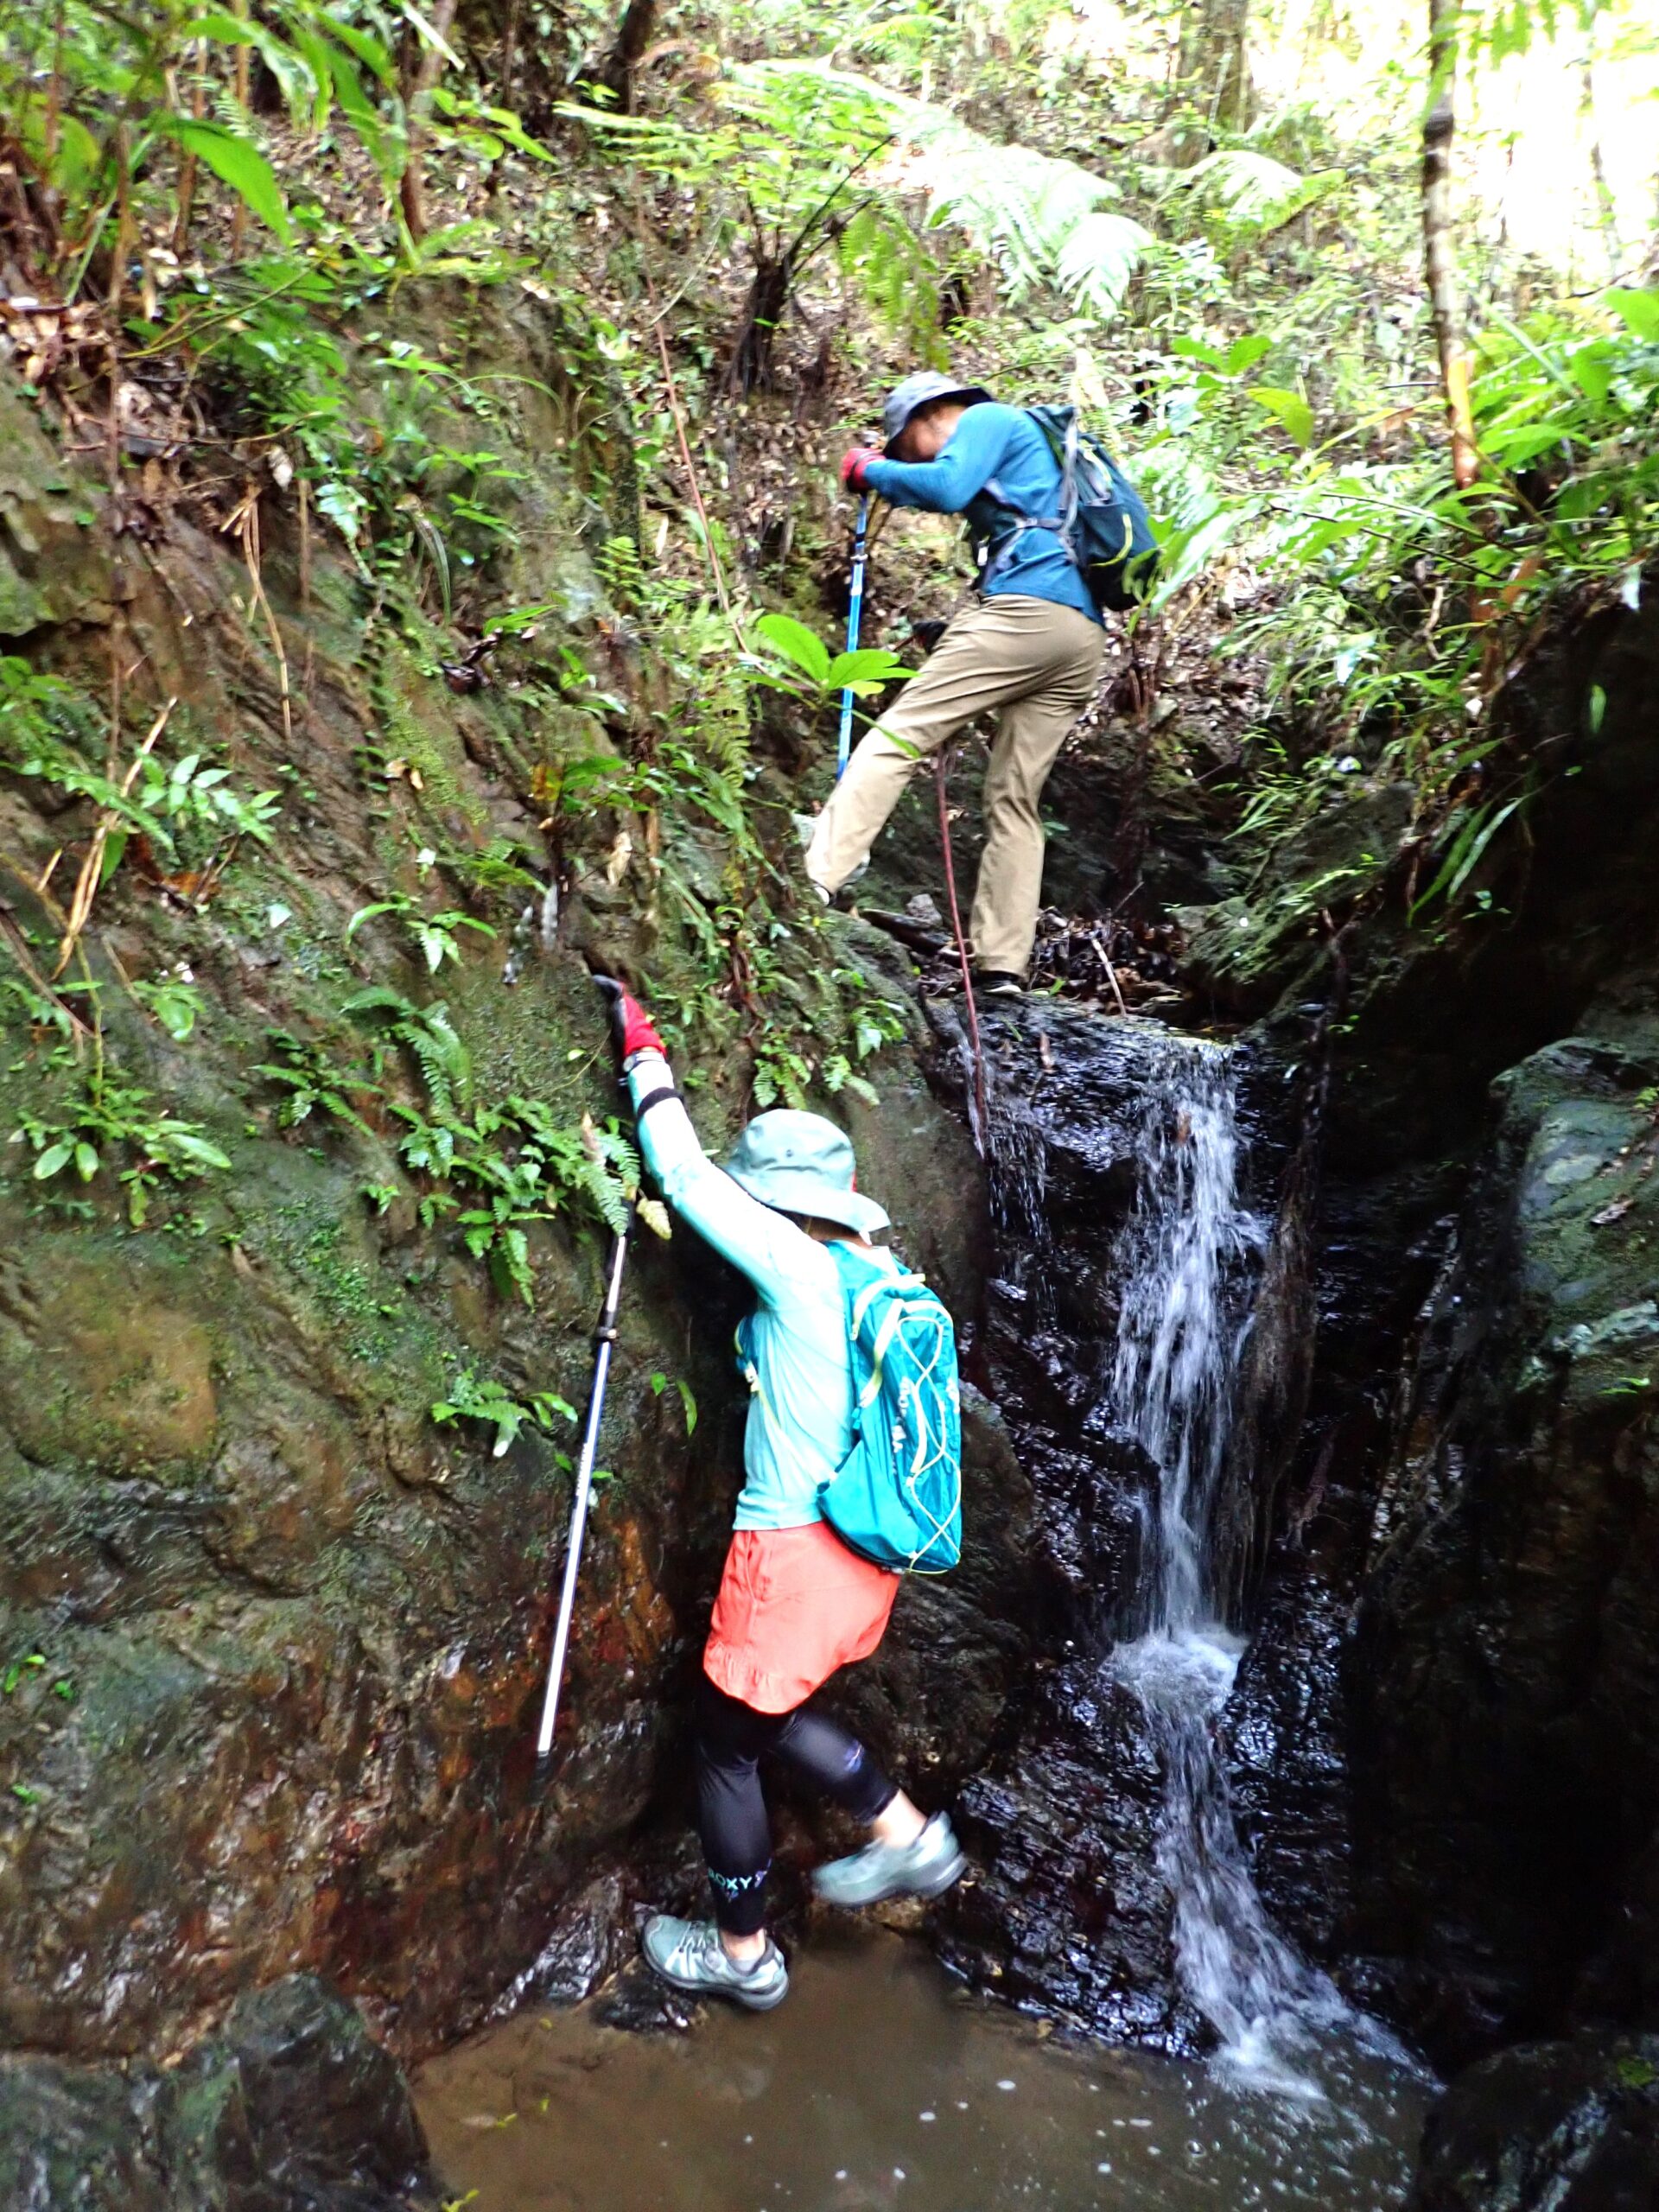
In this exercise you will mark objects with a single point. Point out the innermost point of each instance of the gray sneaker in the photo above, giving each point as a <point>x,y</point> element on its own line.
<point>925,1868</point>
<point>690,1953</point>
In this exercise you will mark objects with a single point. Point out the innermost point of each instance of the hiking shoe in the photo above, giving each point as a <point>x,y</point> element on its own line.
<point>925,1868</point>
<point>998,983</point>
<point>690,1953</point>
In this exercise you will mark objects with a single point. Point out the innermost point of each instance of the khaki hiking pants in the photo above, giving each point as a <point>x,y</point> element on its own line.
<point>1037,664</point>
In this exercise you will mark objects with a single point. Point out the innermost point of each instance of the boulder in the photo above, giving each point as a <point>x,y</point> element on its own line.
<point>1567,2126</point>
<point>292,2106</point>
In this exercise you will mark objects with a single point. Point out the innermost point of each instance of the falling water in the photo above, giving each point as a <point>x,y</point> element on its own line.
<point>1186,1253</point>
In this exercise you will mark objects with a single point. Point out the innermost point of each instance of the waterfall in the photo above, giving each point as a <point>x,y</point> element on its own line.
<point>1186,1252</point>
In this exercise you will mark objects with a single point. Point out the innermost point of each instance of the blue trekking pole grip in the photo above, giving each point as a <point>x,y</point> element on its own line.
<point>855,615</point>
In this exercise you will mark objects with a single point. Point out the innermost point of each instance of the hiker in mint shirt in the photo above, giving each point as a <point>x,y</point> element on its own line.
<point>795,1603</point>
<point>1030,650</point>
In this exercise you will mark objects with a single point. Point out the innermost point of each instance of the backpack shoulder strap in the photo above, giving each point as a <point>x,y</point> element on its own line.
<point>1057,428</point>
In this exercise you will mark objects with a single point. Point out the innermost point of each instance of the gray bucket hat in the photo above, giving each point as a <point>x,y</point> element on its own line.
<point>921,390</point>
<point>802,1164</point>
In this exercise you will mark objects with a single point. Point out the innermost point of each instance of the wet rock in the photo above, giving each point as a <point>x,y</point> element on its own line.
<point>1065,1911</point>
<point>291,2107</point>
<point>1569,2126</point>
<point>639,2002</point>
<point>1508,1670</point>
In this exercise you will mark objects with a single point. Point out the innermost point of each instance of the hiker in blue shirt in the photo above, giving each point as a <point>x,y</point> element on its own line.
<point>1030,648</point>
<point>795,1603</point>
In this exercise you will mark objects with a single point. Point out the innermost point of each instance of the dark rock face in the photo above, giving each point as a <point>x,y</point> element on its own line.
<point>1570,2126</point>
<point>291,2108</point>
<point>1067,1912</point>
<point>1509,1660</point>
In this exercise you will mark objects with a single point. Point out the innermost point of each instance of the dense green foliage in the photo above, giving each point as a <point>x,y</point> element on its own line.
<point>277,232</point>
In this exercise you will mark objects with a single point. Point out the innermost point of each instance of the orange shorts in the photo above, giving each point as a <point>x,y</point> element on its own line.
<point>794,1605</point>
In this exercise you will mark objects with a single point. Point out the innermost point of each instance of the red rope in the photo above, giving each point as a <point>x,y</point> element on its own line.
<point>983,1132</point>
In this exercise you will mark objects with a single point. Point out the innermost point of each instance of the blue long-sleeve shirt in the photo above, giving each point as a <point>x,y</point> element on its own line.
<point>800,1423</point>
<point>999,445</point>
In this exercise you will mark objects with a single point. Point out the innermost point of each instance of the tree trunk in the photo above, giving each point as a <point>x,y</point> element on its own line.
<point>1605,210</point>
<point>632,37</point>
<point>1214,66</point>
<point>1439,124</point>
<point>750,367</point>
<point>418,84</point>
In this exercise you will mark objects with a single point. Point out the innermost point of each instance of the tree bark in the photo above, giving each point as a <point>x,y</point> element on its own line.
<point>1214,65</point>
<point>1439,125</point>
<point>632,37</point>
<point>418,85</point>
<point>1605,210</point>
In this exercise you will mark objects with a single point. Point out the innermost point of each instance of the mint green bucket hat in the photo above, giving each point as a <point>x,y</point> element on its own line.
<point>802,1164</point>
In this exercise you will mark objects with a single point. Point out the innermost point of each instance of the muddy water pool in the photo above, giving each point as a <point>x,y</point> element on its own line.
<point>878,2083</point>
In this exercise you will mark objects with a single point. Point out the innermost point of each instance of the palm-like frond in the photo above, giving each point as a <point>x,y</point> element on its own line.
<point>1251,191</point>
<point>1039,219</point>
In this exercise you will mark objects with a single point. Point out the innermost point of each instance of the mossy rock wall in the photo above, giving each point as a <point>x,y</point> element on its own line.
<point>272,1641</point>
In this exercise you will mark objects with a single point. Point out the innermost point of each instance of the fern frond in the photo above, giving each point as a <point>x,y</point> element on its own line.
<point>1097,259</point>
<point>1025,212</point>
<point>607,1193</point>
<point>1251,191</point>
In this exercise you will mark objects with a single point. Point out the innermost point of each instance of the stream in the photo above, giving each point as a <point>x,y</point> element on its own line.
<point>883,2082</point>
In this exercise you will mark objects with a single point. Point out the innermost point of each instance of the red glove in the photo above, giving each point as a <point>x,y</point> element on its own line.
<point>854,462</point>
<point>629,1024</point>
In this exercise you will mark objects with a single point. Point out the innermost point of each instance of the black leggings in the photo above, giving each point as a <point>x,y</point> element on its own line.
<point>732,1738</point>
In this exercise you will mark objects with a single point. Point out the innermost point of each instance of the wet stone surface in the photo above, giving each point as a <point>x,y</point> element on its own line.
<point>292,2108</point>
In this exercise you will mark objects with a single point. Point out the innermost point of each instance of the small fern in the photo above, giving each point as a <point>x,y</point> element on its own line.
<point>445,1063</point>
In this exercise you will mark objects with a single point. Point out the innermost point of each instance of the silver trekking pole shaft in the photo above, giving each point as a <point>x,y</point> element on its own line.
<point>604,1338</point>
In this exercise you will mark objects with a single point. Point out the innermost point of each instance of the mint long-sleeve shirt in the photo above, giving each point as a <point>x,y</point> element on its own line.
<point>800,1423</point>
<point>993,444</point>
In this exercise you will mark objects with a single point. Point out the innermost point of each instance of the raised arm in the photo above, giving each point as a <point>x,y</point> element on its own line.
<point>945,485</point>
<point>759,1242</point>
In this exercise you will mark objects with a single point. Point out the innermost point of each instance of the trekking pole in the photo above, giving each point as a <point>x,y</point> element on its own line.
<point>604,1338</point>
<point>982,1132</point>
<point>854,616</point>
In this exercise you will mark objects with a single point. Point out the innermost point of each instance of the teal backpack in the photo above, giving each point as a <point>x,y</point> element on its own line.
<point>897,1496</point>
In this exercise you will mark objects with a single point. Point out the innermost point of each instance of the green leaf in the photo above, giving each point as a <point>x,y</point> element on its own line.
<point>54,1160</point>
<point>1470,843</point>
<point>1289,408</point>
<point>77,159</point>
<point>864,671</point>
<point>1592,372</point>
<point>372,52</point>
<point>86,1161</point>
<point>796,643</point>
<point>196,1150</point>
<point>1638,311</point>
<point>367,913</point>
<point>1244,354</point>
<point>241,166</point>
<point>690,1405</point>
<point>360,111</point>
<point>429,33</point>
<point>115,845</point>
